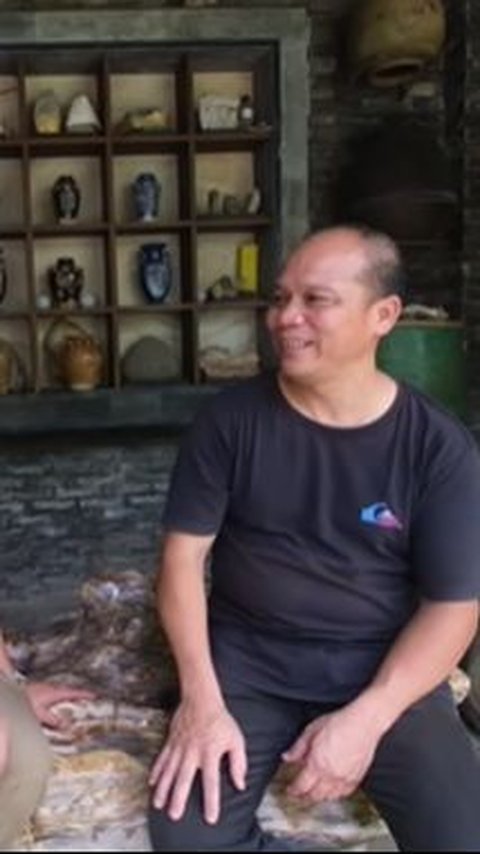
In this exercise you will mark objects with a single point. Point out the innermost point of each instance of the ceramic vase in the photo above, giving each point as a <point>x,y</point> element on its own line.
<point>155,271</point>
<point>392,40</point>
<point>66,283</point>
<point>66,198</point>
<point>146,196</point>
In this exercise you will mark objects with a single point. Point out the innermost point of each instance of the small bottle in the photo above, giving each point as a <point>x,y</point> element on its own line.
<point>247,269</point>
<point>245,112</point>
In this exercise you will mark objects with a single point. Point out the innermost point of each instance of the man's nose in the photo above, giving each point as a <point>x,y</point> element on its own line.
<point>291,312</point>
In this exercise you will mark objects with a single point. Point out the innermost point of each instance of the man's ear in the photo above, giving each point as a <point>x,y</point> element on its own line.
<point>389,310</point>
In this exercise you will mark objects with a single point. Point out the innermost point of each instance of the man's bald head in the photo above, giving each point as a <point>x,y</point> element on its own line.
<point>382,270</point>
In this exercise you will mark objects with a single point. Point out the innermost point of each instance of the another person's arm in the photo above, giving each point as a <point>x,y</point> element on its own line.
<point>202,730</point>
<point>42,696</point>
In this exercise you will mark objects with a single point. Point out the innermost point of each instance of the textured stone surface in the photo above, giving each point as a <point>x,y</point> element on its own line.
<point>97,796</point>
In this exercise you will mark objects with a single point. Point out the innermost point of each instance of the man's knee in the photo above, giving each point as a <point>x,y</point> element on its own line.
<point>168,835</point>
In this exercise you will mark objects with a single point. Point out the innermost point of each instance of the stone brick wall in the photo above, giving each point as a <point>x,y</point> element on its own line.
<point>70,510</point>
<point>75,509</point>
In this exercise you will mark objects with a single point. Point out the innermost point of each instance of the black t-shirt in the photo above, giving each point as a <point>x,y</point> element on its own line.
<point>327,537</point>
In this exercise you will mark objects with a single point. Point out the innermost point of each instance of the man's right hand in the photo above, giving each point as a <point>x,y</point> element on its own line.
<point>198,739</point>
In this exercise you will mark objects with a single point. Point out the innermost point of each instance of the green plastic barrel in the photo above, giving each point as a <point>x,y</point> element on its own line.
<point>431,356</point>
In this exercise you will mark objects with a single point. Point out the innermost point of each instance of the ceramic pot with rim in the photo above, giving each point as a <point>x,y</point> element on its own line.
<point>390,41</point>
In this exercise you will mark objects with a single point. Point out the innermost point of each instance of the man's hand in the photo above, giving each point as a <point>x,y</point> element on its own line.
<point>334,753</point>
<point>197,741</point>
<point>44,695</point>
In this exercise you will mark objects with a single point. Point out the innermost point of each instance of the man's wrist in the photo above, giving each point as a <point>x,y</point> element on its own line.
<point>377,709</point>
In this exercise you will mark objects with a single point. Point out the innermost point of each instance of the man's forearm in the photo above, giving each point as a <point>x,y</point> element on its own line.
<point>423,656</point>
<point>183,611</point>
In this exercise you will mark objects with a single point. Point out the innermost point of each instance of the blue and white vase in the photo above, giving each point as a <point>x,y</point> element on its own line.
<point>66,199</point>
<point>146,196</point>
<point>155,271</point>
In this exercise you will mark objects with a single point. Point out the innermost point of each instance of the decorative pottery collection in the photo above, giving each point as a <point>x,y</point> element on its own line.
<point>390,41</point>
<point>155,271</point>
<point>75,355</point>
<point>50,118</point>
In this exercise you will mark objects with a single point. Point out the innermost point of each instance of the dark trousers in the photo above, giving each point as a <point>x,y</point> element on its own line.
<point>425,780</point>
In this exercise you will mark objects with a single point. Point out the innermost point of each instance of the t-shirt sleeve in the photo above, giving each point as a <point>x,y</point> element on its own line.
<point>200,484</point>
<point>446,530</point>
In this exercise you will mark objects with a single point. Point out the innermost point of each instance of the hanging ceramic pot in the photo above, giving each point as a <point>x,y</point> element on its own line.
<point>155,271</point>
<point>390,41</point>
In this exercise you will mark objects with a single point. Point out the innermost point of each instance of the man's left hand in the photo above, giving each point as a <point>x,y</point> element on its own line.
<point>333,753</point>
<point>43,696</point>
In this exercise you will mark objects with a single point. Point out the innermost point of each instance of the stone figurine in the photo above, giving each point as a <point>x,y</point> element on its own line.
<point>66,283</point>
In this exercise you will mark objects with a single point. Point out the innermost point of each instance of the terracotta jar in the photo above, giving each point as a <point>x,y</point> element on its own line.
<point>81,362</point>
<point>391,40</point>
<point>75,355</point>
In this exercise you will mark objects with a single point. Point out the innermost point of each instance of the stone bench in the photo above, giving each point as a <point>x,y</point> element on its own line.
<point>97,796</point>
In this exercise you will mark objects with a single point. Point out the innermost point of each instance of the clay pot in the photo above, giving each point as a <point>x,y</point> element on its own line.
<point>81,362</point>
<point>391,40</point>
<point>75,355</point>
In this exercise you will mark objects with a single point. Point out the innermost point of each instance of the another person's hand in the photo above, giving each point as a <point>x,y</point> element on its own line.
<point>197,741</point>
<point>4,744</point>
<point>44,695</point>
<point>333,753</point>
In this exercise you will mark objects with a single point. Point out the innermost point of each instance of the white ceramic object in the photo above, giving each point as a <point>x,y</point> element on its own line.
<point>218,112</point>
<point>81,117</point>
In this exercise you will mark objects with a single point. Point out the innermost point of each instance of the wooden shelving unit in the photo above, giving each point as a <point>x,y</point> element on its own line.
<point>105,237</point>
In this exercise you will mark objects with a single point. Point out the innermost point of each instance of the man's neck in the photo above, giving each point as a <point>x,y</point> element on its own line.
<point>352,402</point>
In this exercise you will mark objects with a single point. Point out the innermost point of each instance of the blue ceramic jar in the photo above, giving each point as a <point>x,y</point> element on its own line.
<point>66,198</point>
<point>146,196</point>
<point>155,271</point>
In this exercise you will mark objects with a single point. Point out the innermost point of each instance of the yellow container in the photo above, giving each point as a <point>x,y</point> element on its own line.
<point>247,268</point>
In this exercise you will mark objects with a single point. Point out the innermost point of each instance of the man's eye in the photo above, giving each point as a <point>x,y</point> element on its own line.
<point>317,299</point>
<point>279,300</point>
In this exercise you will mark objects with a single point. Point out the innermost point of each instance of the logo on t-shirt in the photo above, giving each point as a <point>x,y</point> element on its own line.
<point>380,515</point>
